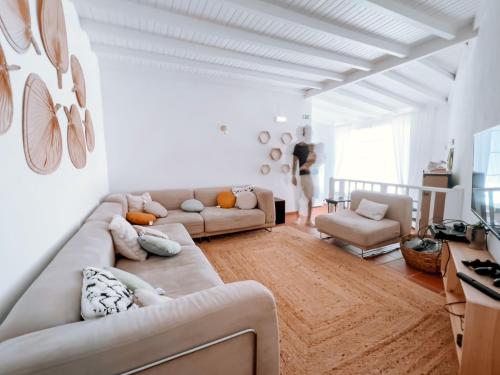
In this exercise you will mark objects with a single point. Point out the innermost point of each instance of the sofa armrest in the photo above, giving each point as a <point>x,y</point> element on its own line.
<point>118,198</point>
<point>265,202</point>
<point>129,340</point>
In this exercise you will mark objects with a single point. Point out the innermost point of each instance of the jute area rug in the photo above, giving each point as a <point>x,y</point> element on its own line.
<point>339,314</point>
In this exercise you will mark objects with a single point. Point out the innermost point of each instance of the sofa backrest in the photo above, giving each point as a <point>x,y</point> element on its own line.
<point>400,206</point>
<point>54,297</point>
<point>208,196</point>
<point>171,199</point>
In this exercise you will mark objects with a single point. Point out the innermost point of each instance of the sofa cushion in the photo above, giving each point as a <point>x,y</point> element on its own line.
<point>177,233</point>
<point>140,218</point>
<point>372,210</point>
<point>171,199</point>
<point>125,239</point>
<point>103,294</point>
<point>193,221</point>
<point>226,199</point>
<point>155,208</point>
<point>350,226</point>
<point>60,283</point>
<point>159,246</point>
<point>105,212</point>
<point>223,219</point>
<point>136,202</point>
<point>186,273</point>
<point>208,196</point>
<point>192,205</point>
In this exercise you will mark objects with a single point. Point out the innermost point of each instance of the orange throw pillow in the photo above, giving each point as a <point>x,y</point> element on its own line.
<point>226,199</point>
<point>141,218</point>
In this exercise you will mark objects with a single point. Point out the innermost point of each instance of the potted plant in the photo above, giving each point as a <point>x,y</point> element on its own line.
<point>476,234</point>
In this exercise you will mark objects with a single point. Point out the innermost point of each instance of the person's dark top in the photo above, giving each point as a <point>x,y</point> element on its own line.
<point>301,151</point>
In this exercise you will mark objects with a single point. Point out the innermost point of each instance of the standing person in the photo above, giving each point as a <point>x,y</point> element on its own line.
<point>304,156</point>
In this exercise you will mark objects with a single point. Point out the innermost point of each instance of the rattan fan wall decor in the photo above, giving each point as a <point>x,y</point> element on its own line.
<point>89,131</point>
<point>6,103</point>
<point>78,82</point>
<point>42,137</point>
<point>75,138</point>
<point>54,36</point>
<point>15,21</point>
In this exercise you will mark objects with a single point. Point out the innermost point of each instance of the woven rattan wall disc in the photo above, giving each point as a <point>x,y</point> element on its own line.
<point>15,21</point>
<point>54,36</point>
<point>6,106</point>
<point>42,137</point>
<point>76,139</point>
<point>78,82</point>
<point>89,131</point>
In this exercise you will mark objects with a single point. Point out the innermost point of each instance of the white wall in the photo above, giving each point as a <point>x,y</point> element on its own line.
<point>162,130</point>
<point>39,213</point>
<point>475,104</point>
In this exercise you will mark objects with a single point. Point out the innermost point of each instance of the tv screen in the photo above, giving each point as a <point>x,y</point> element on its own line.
<point>486,178</point>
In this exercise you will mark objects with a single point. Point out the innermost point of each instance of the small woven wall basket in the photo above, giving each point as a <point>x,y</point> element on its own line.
<point>428,261</point>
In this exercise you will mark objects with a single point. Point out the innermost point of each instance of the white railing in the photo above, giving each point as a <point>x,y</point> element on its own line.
<point>453,197</point>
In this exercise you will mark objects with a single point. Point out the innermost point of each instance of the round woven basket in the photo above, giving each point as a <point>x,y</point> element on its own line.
<point>428,261</point>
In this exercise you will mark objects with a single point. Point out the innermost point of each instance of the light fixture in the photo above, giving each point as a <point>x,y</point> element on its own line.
<point>281,119</point>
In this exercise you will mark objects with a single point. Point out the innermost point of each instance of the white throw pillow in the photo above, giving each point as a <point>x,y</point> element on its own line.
<point>155,208</point>
<point>141,231</point>
<point>103,294</point>
<point>125,239</point>
<point>372,210</point>
<point>136,202</point>
<point>246,200</point>
<point>146,297</point>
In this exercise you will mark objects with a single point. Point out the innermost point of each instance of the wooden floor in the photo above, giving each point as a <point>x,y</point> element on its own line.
<point>393,261</point>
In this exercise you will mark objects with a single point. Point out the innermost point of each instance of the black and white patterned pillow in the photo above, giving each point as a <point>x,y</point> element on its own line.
<point>238,189</point>
<point>103,294</point>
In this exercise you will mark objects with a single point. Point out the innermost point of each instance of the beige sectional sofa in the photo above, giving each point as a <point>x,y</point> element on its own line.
<point>212,220</point>
<point>209,328</point>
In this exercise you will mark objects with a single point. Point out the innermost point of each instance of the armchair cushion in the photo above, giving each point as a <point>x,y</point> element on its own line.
<point>349,226</point>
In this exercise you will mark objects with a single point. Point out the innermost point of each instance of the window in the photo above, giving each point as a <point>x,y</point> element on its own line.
<point>376,153</point>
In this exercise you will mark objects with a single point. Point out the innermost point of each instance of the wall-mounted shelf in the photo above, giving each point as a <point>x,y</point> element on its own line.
<point>275,154</point>
<point>264,137</point>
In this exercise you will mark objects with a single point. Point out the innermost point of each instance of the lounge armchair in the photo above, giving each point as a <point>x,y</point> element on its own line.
<point>364,233</point>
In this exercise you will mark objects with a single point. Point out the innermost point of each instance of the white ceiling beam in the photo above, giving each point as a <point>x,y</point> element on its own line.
<point>161,17</point>
<point>367,101</point>
<point>361,109</point>
<point>96,30</point>
<point>317,24</point>
<point>342,109</point>
<point>165,59</point>
<point>389,94</point>
<point>438,69</point>
<point>418,52</point>
<point>407,13</point>
<point>416,86</point>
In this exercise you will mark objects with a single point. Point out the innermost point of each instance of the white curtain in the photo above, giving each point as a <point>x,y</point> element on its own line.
<point>422,136</point>
<point>341,141</point>
<point>401,145</point>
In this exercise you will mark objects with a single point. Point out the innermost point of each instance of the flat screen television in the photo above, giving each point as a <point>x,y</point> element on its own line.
<point>485,202</point>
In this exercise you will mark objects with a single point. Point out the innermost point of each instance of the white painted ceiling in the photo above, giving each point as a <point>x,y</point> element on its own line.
<point>368,56</point>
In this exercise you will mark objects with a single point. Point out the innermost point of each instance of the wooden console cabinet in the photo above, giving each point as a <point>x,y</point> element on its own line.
<point>440,180</point>
<point>480,324</point>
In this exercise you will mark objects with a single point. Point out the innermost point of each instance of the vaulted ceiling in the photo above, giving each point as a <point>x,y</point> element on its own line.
<point>353,56</point>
